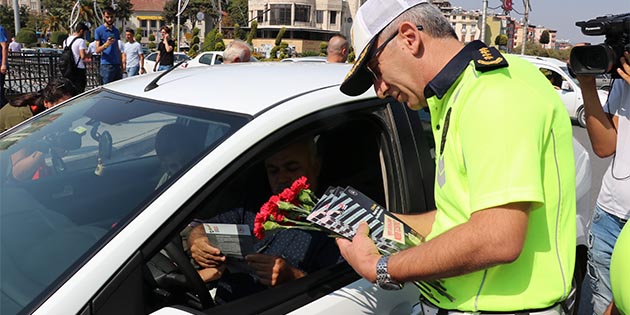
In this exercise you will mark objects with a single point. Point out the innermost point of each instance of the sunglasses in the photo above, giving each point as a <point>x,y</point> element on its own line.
<point>374,56</point>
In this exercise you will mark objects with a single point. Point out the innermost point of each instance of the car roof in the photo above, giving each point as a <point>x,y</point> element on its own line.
<point>544,60</point>
<point>250,89</point>
<point>305,59</point>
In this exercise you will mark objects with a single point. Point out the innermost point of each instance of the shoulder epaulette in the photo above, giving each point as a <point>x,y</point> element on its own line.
<point>488,59</point>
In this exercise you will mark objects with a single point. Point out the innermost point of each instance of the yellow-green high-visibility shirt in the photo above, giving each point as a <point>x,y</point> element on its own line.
<point>620,271</point>
<point>508,139</point>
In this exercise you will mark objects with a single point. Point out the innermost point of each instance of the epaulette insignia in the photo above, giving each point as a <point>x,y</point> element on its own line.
<point>488,58</point>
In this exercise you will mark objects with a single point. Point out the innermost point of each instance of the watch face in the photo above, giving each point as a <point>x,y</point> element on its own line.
<point>389,285</point>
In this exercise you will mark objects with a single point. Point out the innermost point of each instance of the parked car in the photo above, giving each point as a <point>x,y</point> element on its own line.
<point>90,238</point>
<point>206,58</point>
<point>568,87</point>
<point>603,81</point>
<point>149,60</point>
<point>209,58</point>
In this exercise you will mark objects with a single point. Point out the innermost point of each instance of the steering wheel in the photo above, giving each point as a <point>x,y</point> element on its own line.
<point>175,251</point>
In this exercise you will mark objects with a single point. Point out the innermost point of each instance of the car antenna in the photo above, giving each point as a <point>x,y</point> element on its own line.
<point>153,84</point>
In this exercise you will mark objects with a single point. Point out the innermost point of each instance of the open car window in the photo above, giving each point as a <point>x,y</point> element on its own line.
<point>74,175</point>
<point>349,153</point>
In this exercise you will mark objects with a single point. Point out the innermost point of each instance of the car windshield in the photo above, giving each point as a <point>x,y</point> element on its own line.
<point>73,176</point>
<point>566,70</point>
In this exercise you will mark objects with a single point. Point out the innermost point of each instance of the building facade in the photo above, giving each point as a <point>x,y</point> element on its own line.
<point>34,5</point>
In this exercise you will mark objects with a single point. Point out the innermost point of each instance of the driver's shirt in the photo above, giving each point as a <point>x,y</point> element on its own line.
<point>308,251</point>
<point>502,136</point>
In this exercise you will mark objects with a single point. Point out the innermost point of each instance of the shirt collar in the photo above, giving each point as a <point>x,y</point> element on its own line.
<point>449,74</point>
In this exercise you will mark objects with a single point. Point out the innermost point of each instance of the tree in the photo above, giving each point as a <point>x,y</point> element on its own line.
<point>123,10</point>
<point>501,40</point>
<point>252,32</point>
<point>194,6</point>
<point>544,37</point>
<point>26,36</point>
<point>280,35</point>
<point>238,32</point>
<point>138,36</point>
<point>209,40</point>
<point>55,21</point>
<point>58,37</point>
<point>323,48</point>
<point>237,12</point>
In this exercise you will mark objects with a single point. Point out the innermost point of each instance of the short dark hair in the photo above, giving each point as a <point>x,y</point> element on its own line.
<point>81,27</point>
<point>129,30</point>
<point>109,10</point>
<point>58,88</point>
<point>166,29</point>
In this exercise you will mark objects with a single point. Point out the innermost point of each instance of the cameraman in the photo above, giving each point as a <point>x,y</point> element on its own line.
<point>608,128</point>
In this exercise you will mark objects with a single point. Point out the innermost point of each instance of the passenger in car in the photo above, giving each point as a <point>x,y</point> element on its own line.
<point>284,256</point>
<point>173,148</point>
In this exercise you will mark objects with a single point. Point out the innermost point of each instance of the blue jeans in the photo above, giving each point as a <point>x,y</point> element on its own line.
<point>164,67</point>
<point>602,236</point>
<point>133,71</point>
<point>110,73</point>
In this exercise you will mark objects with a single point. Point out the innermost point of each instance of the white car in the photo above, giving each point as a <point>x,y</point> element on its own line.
<point>98,232</point>
<point>209,58</point>
<point>567,86</point>
<point>149,60</point>
<point>206,58</point>
<point>316,59</point>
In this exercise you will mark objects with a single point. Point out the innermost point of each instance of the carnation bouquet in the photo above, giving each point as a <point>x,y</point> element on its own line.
<point>339,212</point>
<point>287,210</point>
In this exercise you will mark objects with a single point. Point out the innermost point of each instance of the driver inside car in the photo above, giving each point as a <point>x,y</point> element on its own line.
<point>286,255</point>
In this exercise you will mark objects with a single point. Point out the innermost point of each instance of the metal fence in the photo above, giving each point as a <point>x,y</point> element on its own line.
<point>31,71</point>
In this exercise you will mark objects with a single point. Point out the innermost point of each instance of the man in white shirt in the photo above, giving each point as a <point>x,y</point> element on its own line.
<point>133,57</point>
<point>77,42</point>
<point>14,46</point>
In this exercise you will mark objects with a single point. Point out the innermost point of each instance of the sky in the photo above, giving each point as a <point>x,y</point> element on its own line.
<point>559,15</point>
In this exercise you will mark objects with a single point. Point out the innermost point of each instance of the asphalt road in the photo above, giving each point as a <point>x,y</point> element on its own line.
<point>598,165</point>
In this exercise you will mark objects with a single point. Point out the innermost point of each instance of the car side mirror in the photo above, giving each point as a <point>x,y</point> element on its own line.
<point>565,86</point>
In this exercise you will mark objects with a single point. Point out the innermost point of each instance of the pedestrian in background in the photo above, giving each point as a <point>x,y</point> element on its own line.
<point>237,51</point>
<point>15,46</point>
<point>338,49</point>
<point>166,51</point>
<point>78,75</point>
<point>608,128</point>
<point>133,57</point>
<point>106,37</point>
<point>502,239</point>
<point>28,105</point>
<point>4,55</point>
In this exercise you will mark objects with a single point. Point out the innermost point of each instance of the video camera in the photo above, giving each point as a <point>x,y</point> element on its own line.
<point>602,58</point>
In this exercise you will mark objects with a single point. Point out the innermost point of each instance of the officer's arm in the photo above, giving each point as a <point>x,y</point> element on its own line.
<point>491,237</point>
<point>421,223</point>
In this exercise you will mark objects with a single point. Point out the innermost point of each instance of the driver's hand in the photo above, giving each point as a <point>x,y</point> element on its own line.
<point>203,252</point>
<point>211,274</point>
<point>272,270</point>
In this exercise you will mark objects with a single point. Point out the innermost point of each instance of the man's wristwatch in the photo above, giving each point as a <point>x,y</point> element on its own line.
<point>383,279</point>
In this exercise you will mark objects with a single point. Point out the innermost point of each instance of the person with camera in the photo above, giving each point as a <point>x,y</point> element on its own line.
<point>608,128</point>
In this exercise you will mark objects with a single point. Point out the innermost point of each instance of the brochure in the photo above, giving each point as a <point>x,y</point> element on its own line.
<point>234,240</point>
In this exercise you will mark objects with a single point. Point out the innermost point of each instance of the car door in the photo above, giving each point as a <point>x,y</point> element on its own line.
<point>567,89</point>
<point>372,145</point>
